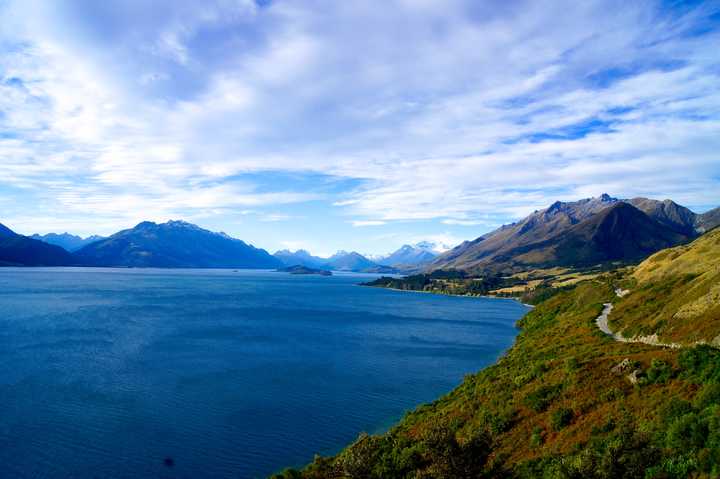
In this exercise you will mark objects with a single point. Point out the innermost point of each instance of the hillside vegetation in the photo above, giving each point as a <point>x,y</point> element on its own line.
<point>567,401</point>
<point>676,295</point>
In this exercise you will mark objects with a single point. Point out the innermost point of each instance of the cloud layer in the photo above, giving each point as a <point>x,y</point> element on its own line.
<point>458,113</point>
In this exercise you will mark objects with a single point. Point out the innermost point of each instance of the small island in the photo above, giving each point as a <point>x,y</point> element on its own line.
<point>299,269</point>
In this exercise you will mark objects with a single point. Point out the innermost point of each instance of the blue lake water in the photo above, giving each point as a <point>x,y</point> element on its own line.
<point>105,373</point>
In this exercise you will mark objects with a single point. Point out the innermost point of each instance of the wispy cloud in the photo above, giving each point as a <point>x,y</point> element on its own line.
<point>360,223</point>
<point>464,113</point>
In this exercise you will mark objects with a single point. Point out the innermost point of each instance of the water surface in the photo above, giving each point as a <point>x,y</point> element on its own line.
<point>105,373</point>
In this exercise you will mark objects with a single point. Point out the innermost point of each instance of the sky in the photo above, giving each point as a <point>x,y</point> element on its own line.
<point>330,125</point>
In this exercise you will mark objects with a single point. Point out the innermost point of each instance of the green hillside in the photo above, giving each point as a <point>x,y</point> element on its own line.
<point>676,295</point>
<point>568,401</point>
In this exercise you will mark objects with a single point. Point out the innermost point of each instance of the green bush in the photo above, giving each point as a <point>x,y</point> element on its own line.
<point>678,467</point>
<point>542,397</point>
<point>561,418</point>
<point>707,396</point>
<point>688,432</point>
<point>658,373</point>
<point>571,365</point>
<point>674,409</point>
<point>536,438</point>
<point>701,364</point>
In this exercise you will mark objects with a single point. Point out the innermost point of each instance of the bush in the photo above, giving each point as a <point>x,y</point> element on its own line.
<point>674,409</point>
<point>658,373</point>
<point>561,418</point>
<point>678,467</point>
<point>707,396</point>
<point>288,474</point>
<point>611,394</point>
<point>540,399</point>
<point>571,365</point>
<point>688,432</point>
<point>701,364</point>
<point>536,438</point>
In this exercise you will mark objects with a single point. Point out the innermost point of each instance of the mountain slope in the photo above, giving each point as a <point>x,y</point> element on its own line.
<point>352,261</point>
<point>18,250</point>
<point>566,401</point>
<point>546,229</point>
<point>708,220</point>
<point>67,241</point>
<point>692,312</point>
<point>299,257</point>
<point>408,255</point>
<point>668,213</point>
<point>539,226</point>
<point>175,244</point>
<point>618,233</point>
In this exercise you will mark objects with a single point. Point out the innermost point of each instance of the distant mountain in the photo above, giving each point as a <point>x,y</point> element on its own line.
<point>349,261</point>
<point>18,250</point>
<point>548,237</point>
<point>434,246</point>
<point>67,241</point>
<point>175,244</point>
<point>708,220</point>
<point>353,261</point>
<point>410,255</point>
<point>299,257</point>
<point>340,261</point>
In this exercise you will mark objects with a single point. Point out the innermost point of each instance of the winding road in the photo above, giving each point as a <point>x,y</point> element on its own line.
<point>602,324</point>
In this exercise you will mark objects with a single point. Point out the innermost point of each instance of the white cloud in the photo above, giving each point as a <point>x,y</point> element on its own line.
<point>435,109</point>
<point>361,223</point>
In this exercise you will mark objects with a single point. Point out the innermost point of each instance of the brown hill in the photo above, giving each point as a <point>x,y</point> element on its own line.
<point>553,237</point>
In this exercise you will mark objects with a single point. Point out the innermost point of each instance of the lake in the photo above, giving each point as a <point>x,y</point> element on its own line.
<point>108,372</point>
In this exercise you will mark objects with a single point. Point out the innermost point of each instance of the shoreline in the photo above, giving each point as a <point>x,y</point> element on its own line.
<point>450,294</point>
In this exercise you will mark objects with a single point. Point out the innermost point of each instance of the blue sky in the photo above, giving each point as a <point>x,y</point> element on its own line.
<point>353,125</point>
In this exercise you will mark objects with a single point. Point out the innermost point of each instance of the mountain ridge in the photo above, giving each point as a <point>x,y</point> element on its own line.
<point>69,242</point>
<point>19,250</point>
<point>341,261</point>
<point>174,244</point>
<point>495,250</point>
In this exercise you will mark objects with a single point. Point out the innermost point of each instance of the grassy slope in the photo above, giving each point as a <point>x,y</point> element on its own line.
<point>677,295</point>
<point>552,407</point>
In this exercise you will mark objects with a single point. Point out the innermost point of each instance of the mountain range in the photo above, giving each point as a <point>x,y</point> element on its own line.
<point>175,244</point>
<point>340,261</point>
<point>582,233</point>
<point>18,250</point>
<point>410,256</point>
<point>299,258</point>
<point>579,234</point>
<point>67,241</point>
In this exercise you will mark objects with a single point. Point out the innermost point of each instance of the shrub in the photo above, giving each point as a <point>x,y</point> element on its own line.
<point>288,474</point>
<point>658,373</point>
<point>611,394</point>
<point>540,399</point>
<point>561,418</point>
<point>536,438</point>
<point>678,467</point>
<point>707,396</point>
<point>571,365</point>
<point>701,364</point>
<point>674,409</point>
<point>688,432</point>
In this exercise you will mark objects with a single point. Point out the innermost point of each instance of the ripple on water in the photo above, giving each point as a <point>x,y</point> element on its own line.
<point>107,373</point>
